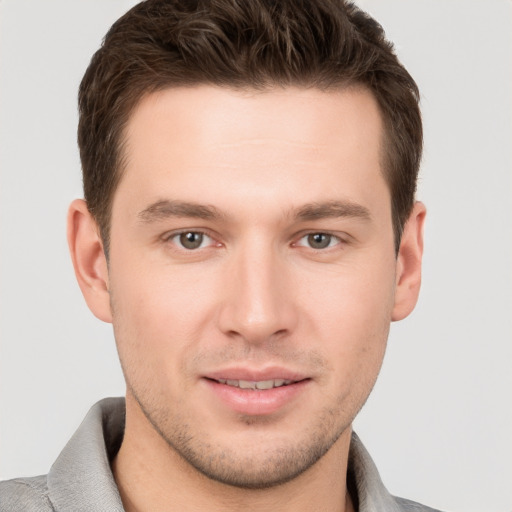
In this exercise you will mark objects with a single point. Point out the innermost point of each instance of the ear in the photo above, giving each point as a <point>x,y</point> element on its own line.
<point>89,261</point>
<point>408,268</point>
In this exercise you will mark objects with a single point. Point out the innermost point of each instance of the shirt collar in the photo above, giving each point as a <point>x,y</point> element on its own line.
<point>81,479</point>
<point>364,482</point>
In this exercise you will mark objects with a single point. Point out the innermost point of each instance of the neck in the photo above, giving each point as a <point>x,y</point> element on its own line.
<point>151,476</point>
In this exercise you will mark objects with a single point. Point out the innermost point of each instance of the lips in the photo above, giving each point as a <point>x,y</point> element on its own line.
<point>256,385</point>
<point>258,393</point>
<point>278,375</point>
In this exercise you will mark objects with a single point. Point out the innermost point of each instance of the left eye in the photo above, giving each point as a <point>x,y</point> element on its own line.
<point>191,240</point>
<point>319,240</point>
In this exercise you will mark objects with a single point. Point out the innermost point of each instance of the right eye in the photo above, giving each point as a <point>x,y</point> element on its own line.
<point>191,240</point>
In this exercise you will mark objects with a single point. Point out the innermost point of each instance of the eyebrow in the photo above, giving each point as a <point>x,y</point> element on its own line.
<point>332,209</point>
<point>164,209</point>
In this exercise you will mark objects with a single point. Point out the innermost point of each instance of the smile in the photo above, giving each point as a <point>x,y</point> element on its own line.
<point>256,393</point>
<point>256,385</point>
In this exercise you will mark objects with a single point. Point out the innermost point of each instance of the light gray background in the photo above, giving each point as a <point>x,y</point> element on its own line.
<point>439,421</point>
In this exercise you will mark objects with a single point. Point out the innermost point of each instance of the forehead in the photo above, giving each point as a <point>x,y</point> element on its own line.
<point>204,142</point>
<point>217,115</point>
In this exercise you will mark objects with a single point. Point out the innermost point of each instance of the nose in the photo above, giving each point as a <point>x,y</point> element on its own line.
<point>258,304</point>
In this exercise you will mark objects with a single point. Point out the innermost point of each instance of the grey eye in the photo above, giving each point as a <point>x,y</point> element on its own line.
<point>319,240</point>
<point>191,240</point>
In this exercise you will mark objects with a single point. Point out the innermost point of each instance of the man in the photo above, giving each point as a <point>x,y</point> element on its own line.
<point>250,229</point>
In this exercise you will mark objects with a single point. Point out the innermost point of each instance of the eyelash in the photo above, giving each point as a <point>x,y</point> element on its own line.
<point>175,239</point>
<point>331,237</point>
<point>177,235</point>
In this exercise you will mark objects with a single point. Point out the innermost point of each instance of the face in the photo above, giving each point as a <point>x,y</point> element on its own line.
<point>252,273</point>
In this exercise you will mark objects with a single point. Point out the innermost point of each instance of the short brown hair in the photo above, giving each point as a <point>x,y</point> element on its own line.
<point>258,44</point>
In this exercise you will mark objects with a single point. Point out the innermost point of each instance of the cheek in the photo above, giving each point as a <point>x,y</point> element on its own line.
<point>351,313</point>
<point>160,316</point>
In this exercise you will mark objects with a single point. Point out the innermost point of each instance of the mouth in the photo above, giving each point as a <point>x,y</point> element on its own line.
<point>257,395</point>
<point>258,385</point>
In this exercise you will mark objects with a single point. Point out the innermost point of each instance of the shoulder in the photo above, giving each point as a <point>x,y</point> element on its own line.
<point>25,494</point>
<point>411,506</point>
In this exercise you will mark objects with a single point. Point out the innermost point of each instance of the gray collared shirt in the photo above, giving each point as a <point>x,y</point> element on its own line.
<point>81,480</point>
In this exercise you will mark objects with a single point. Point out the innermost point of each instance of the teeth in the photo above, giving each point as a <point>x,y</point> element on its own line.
<point>265,384</point>
<point>250,384</point>
<point>245,384</point>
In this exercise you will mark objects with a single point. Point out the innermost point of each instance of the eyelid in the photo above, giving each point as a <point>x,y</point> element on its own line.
<point>170,235</point>
<point>175,232</point>
<point>342,239</point>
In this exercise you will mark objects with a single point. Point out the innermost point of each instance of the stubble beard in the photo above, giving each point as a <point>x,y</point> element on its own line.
<point>271,467</point>
<point>263,467</point>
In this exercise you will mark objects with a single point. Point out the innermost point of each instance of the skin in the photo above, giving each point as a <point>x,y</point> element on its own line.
<point>258,174</point>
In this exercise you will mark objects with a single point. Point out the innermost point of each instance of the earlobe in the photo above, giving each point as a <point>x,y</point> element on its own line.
<point>408,268</point>
<point>89,261</point>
